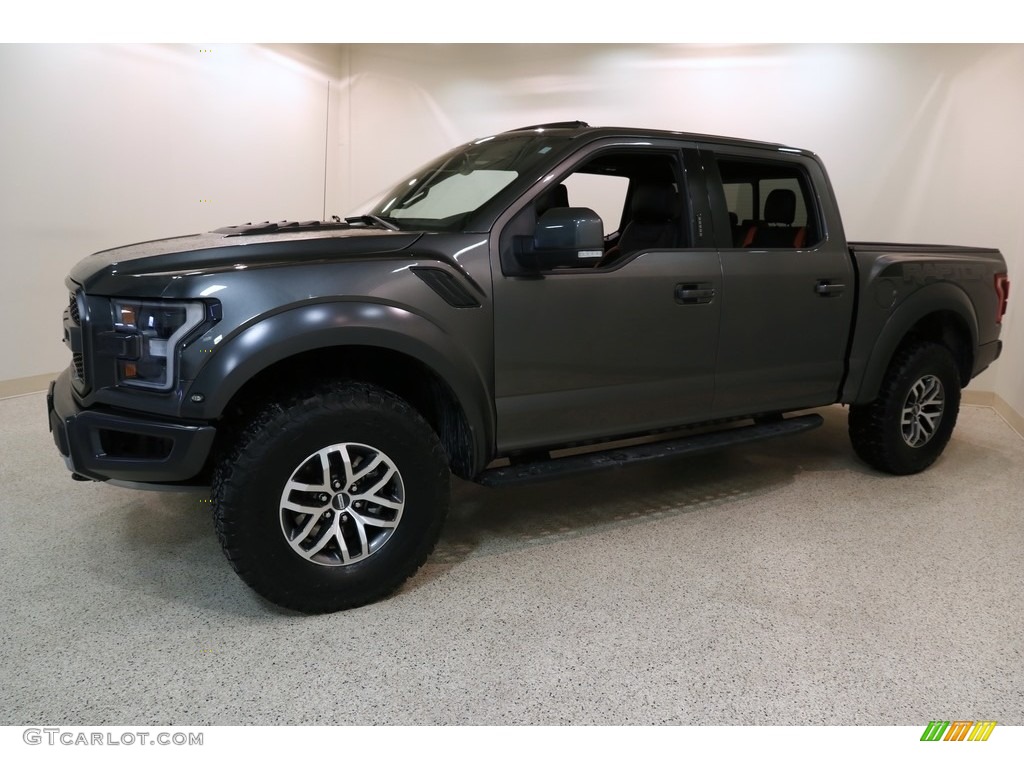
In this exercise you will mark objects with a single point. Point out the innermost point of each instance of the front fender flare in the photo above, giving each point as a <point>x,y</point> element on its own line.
<point>338,324</point>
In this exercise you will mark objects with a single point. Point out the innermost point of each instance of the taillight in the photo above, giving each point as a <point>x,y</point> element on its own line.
<point>1002,295</point>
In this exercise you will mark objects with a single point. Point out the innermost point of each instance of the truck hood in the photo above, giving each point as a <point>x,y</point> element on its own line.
<point>237,247</point>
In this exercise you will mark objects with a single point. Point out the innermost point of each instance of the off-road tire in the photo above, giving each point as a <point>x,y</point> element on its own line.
<point>879,431</point>
<point>305,438</point>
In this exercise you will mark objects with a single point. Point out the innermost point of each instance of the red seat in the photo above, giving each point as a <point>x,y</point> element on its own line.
<point>776,230</point>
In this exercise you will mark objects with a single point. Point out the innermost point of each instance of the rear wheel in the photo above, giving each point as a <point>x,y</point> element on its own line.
<point>332,499</point>
<point>905,429</point>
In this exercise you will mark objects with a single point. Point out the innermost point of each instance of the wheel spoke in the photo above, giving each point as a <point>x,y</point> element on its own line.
<point>346,461</point>
<point>380,501</point>
<point>374,522</point>
<point>300,509</point>
<point>360,526</point>
<point>330,532</point>
<point>294,485</point>
<point>379,484</point>
<point>346,556</point>
<point>325,468</point>
<point>310,524</point>
<point>364,471</point>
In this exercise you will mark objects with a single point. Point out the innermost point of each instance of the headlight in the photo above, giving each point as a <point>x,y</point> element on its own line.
<point>160,325</point>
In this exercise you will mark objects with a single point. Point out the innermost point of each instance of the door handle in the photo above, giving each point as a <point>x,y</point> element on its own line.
<point>694,293</point>
<point>827,288</point>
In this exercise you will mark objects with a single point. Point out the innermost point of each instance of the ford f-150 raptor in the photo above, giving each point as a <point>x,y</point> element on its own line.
<point>549,287</point>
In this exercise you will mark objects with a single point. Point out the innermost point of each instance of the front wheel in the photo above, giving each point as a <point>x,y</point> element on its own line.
<point>906,428</point>
<point>331,500</point>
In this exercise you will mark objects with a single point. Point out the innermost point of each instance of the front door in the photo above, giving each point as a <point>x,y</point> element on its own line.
<point>625,343</point>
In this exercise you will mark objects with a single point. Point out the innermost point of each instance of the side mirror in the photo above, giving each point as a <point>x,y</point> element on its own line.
<point>576,234</point>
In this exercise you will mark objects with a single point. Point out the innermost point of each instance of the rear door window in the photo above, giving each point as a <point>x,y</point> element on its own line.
<point>770,204</point>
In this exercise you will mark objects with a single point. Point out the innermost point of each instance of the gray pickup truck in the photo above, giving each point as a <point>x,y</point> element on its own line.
<point>550,287</point>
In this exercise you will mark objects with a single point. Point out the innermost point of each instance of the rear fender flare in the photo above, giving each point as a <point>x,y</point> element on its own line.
<point>938,297</point>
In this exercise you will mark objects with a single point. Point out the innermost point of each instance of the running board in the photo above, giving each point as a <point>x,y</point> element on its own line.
<point>549,469</point>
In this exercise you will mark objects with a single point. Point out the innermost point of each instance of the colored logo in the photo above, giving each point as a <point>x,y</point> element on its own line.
<point>958,730</point>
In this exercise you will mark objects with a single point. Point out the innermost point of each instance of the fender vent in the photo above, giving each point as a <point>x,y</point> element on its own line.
<point>447,286</point>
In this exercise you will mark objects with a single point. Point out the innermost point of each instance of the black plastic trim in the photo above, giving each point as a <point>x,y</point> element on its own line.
<point>447,286</point>
<point>549,469</point>
<point>77,432</point>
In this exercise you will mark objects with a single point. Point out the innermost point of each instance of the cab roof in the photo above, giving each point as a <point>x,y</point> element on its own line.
<point>579,129</point>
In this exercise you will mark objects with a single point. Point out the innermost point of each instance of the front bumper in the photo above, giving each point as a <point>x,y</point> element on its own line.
<point>108,445</point>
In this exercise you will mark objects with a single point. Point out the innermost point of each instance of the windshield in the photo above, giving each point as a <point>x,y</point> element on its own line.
<point>442,194</point>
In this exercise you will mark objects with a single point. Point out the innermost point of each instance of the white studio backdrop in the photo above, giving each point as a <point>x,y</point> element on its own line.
<point>106,145</point>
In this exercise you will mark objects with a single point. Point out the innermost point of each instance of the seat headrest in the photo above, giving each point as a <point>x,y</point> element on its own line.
<point>780,207</point>
<point>654,202</point>
<point>556,197</point>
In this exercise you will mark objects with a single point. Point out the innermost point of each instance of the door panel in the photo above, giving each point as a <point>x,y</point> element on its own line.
<point>784,336</point>
<point>788,287</point>
<point>588,354</point>
<point>623,347</point>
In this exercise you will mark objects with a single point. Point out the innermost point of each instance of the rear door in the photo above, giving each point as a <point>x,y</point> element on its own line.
<point>788,286</point>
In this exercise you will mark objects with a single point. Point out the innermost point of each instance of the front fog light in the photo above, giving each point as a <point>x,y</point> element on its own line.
<point>161,326</point>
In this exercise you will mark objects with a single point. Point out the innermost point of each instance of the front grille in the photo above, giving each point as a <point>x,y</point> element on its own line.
<point>73,310</point>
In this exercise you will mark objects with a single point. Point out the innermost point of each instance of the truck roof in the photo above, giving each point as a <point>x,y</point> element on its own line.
<point>578,128</point>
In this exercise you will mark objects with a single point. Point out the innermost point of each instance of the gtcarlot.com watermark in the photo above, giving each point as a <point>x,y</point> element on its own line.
<point>70,737</point>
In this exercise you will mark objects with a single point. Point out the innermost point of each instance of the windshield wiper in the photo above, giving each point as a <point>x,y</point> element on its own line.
<point>370,220</point>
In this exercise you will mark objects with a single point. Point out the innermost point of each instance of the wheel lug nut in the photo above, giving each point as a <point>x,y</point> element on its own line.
<point>324,497</point>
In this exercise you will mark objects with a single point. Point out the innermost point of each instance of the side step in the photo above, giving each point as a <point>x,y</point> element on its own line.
<point>518,474</point>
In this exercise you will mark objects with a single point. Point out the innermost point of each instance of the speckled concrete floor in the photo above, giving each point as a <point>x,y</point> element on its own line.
<point>778,583</point>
